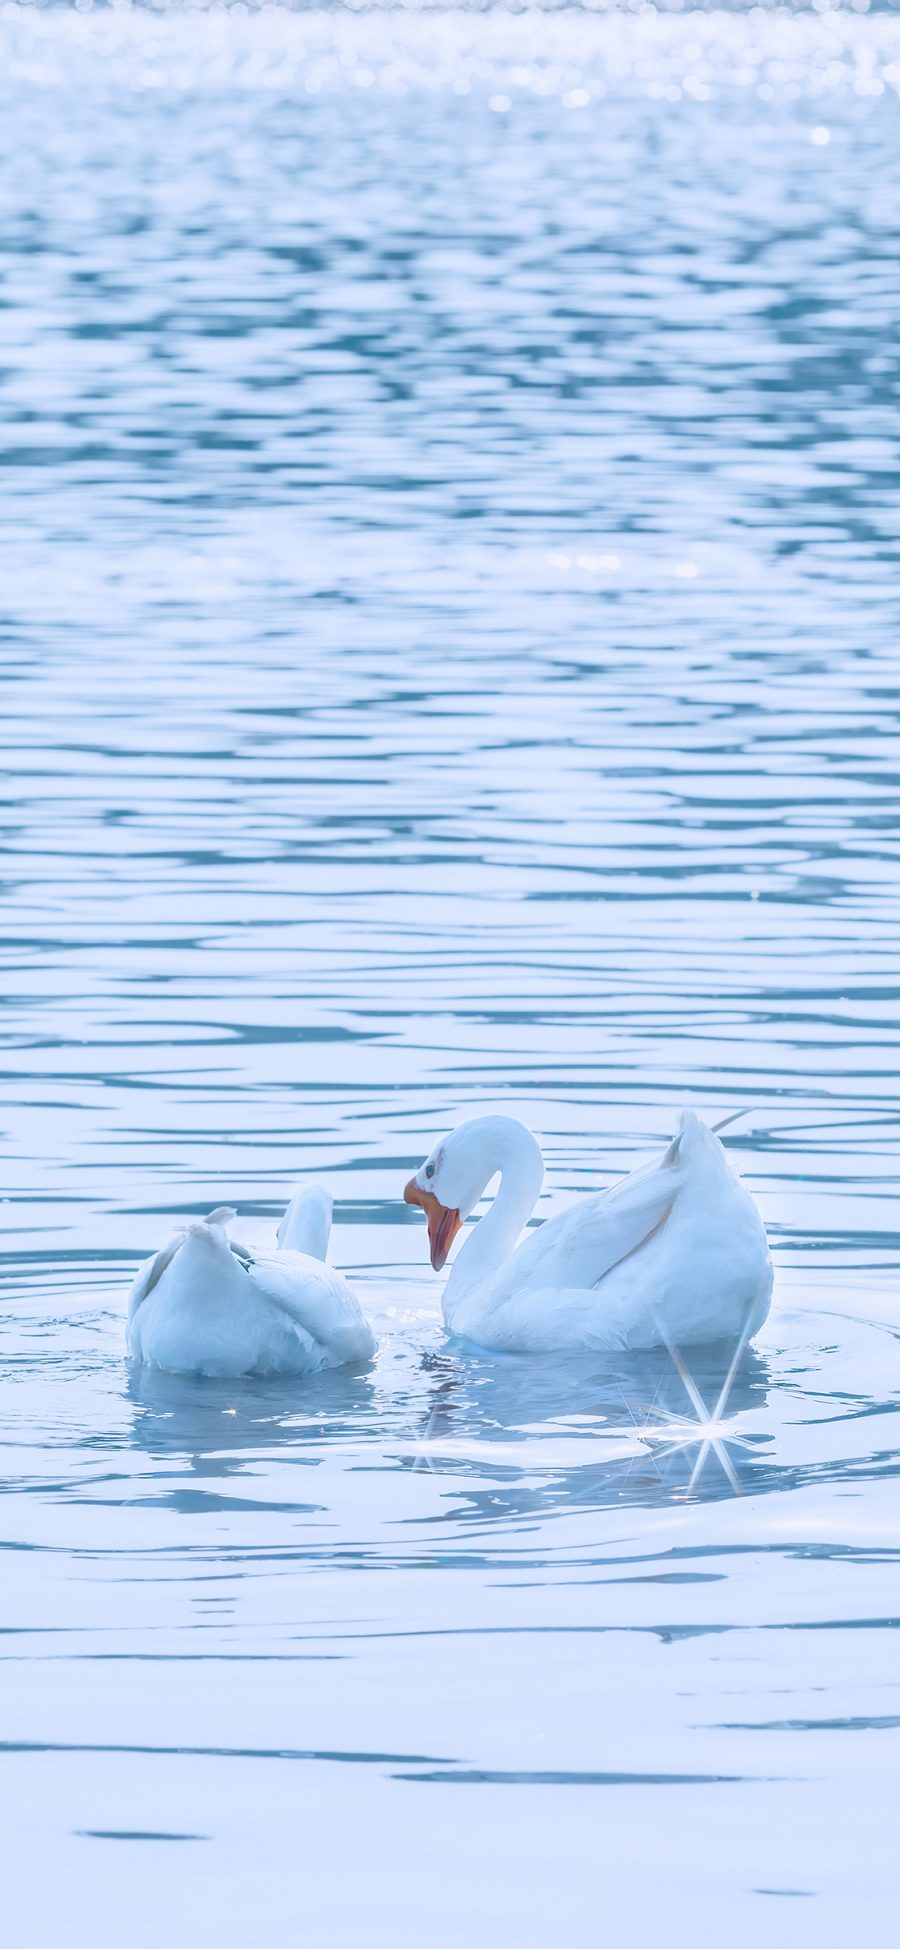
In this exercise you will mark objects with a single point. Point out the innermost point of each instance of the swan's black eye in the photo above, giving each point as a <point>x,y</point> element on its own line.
<point>429,1170</point>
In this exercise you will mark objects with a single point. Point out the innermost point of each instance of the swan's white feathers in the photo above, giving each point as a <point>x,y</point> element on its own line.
<point>151,1271</point>
<point>580,1246</point>
<point>674,1254</point>
<point>317,1299</point>
<point>149,1274</point>
<point>206,1305</point>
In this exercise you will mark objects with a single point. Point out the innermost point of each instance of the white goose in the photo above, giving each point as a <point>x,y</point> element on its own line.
<point>672,1255</point>
<point>204,1305</point>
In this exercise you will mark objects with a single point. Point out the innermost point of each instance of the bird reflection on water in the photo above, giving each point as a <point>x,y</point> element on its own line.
<point>572,1430</point>
<point>205,1432</point>
<point>514,1434</point>
<point>220,1423</point>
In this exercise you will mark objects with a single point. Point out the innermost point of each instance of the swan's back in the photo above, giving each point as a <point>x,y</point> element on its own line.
<point>674,1254</point>
<point>206,1306</point>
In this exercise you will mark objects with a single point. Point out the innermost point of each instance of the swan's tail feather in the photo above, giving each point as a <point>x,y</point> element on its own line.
<point>725,1121</point>
<point>692,1129</point>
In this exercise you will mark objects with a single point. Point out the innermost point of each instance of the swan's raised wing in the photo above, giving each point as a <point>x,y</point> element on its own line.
<point>316,1297</point>
<point>578,1249</point>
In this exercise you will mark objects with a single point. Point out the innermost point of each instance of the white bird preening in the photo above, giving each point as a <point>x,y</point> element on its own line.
<point>674,1255</point>
<point>205,1305</point>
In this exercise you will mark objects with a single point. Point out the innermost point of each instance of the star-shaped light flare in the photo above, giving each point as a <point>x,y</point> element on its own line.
<point>710,1431</point>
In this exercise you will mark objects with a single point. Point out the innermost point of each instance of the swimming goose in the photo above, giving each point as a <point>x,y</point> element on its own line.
<point>205,1305</point>
<point>672,1255</point>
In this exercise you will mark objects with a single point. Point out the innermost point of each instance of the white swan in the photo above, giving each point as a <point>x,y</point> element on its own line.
<point>206,1306</point>
<point>674,1254</point>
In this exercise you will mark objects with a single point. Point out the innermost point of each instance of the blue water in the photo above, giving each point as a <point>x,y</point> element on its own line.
<point>448,575</point>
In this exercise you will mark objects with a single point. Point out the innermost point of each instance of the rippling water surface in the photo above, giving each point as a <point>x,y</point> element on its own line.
<point>448,582</point>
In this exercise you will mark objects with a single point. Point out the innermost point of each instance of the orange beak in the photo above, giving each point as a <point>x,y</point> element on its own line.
<point>443,1225</point>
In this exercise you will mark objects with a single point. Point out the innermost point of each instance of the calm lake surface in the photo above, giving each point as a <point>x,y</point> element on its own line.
<point>449,603</point>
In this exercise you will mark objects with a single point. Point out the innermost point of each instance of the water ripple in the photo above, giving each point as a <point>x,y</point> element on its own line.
<point>447,661</point>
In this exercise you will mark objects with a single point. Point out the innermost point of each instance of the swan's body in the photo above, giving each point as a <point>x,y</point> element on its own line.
<point>206,1306</point>
<point>675,1254</point>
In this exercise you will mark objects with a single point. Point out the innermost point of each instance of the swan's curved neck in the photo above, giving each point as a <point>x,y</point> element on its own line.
<point>506,1146</point>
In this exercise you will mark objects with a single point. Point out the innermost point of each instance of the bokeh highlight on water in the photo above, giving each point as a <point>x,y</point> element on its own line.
<point>448,547</point>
